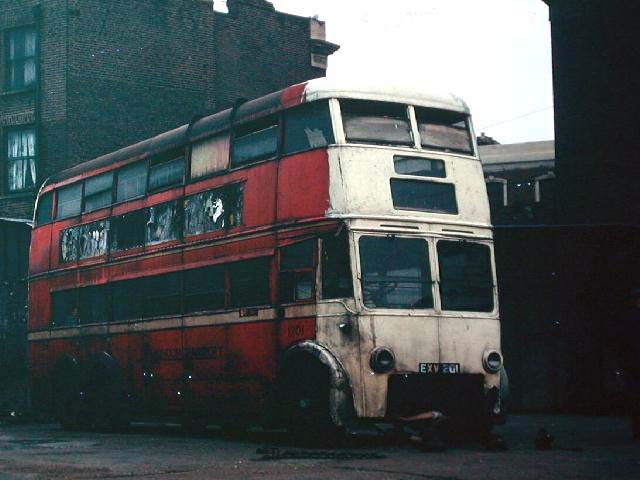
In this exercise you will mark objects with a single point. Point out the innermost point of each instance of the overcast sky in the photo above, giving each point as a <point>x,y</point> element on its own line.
<point>495,54</point>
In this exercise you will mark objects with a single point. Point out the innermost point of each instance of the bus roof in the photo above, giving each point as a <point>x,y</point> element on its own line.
<point>200,127</point>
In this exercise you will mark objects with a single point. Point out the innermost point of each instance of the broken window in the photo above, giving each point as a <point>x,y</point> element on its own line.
<point>132,181</point>
<point>69,201</point>
<point>84,241</point>
<point>163,223</point>
<point>425,196</point>
<point>69,245</point>
<point>92,239</point>
<point>166,174</point>
<point>97,192</point>
<point>64,308</point>
<point>210,155</point>
<point>213,210</point>
<point>419,167</point>
<point>94,304</point>
<point>21,159</point>
<point>128,230</point>
<point>380,123</point>
<point>296,280</point>
<point>204,289</point>
<point>45,205</point>
<point>255,141</point>
<point>337,280</point>
<point>466,279</point>
<point>306,127</point>
<point>444,130</point>
<point>250,283</point>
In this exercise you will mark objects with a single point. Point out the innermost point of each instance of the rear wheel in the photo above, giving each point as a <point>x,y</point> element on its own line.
<point>67,397</point>
<point>106,404</point>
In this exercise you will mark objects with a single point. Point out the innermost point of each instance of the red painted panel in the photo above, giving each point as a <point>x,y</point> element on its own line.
<point>39,254</point>
<point>39,305</point>
<point>294,95</point>
<point>205,349</point>
<point>303,186</point>
<point>251,349</point>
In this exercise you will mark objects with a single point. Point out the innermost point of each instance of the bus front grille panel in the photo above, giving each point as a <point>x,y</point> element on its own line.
<point>455,395</point>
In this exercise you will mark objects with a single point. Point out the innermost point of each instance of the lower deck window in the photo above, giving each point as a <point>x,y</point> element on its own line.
<point>296,280</point>
<point>64,308</point>
<point>466,279</point>
<point>395,272</point>
<point>337,281</point>
<point>250,283</point>
<point>423,195</point>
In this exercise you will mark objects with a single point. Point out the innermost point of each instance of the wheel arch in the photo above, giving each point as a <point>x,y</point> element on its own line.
<point>340,392</point>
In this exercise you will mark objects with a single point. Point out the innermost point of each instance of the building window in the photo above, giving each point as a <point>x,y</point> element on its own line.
<point>497,192</point>
<point>21,58</point>
<point>21,159</point>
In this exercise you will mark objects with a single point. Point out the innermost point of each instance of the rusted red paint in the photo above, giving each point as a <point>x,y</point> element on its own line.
<point>303,186</point>
<point>294,95</point>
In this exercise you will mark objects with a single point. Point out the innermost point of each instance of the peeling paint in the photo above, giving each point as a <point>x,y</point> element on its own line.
<point>163,223</point>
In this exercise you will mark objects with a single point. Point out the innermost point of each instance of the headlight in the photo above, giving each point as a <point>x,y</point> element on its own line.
<point>382,360</point>
<point>492,361</point>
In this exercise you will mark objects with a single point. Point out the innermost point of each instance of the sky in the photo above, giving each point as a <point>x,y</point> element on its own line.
<point>495,54</point>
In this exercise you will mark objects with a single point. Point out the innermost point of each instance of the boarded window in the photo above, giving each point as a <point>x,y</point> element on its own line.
<point>337,281</point>
<point>296,280</point>
<point>444,130</point>
<point>213,210</point>
<point>376,122</point>
<point>132,181</point>
<point>466,279</point>
<point>21,159</point>
<point>98,192</point>
<point>255,141</point>
<point>210,155</point>
<point>424,196</point>
<point>45,205</point>
<point>204,289</point>
<point>128,230</point>
<point>64,308</point>
<point>94,304</point>
<point>306,127</point>
<point>166,174</point>
<point>250,283</point>
<point>419,167</point>
<point>163,223</point>
<point>69,201</point>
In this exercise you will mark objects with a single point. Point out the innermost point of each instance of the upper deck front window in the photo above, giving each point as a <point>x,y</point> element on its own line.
<point>444,130</point>
<point>378,123</point>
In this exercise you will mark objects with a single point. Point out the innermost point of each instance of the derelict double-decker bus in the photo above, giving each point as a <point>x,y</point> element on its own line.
<point>318,256</point>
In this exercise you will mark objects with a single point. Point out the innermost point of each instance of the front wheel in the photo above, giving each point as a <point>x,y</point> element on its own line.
<point>305,392</point>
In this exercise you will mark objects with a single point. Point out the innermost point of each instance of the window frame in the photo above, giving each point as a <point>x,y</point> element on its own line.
<point>156,161</point>
<point>111,188</point>
<point>9,62</point>
<point>10,160</point>
<point>232,166</point>
<point>297,272</point>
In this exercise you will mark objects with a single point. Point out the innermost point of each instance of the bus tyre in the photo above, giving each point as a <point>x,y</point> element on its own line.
<point>106,403</point>
<point>306,389</point>
<point>67,397</point>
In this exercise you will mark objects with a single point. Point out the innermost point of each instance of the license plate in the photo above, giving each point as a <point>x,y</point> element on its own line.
<point>439,368</point>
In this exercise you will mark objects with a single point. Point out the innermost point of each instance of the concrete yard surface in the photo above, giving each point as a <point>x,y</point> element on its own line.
<point>582,448</point>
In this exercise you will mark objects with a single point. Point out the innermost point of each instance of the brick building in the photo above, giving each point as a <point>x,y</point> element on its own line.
<point>81,78</point>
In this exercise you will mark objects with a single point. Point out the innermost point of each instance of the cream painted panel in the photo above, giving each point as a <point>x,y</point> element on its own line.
<point>359,184</point>
<point>463,341</point>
